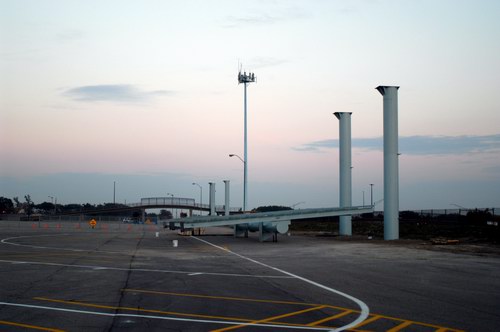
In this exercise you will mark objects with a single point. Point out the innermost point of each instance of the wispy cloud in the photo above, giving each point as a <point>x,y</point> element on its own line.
<point>69,35</point>
<point>113,93</point>
<point>234,21</point>
<point>255,19</point>
<point>262,62</point>
<point>417,145</point>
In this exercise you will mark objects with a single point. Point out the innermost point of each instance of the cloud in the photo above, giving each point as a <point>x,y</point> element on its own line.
<point>256,19</point>
<point>449,144</point>
<point>261,62</point>
<point>233,21</point>
<point>417,145</point>
<point>69,35</point>
<point>113,93</point>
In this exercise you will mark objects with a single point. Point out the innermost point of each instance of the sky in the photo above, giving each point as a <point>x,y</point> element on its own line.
<point>144,94</point>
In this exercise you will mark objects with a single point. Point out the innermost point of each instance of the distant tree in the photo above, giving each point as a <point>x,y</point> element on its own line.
<point>29,205</point>
<point>479,216</point>
<point>409,215</point>
<point>165,214</point>
<point>70,207</point>
<point>114,205</point>
<point>46,207</point>
<point>271,208</point>
<point>18,204</point>
<point>6,205</point>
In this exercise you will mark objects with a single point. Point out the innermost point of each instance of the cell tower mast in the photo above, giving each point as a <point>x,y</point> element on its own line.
<point>245,79</point>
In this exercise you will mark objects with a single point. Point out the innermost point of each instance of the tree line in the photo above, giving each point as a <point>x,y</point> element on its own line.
<point>15,205</point>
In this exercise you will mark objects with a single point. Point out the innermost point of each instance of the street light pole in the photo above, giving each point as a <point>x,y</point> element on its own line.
<point>172,200</point>
<point>52,201</point>
<point>244,180</point>
<point>371,194</point>
<point>201,192</point>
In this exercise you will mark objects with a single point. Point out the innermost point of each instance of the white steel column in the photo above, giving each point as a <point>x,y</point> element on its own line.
<point>391,164</point>
<point>212,198</point>
<point>226,201</point>
<point>345,170</point>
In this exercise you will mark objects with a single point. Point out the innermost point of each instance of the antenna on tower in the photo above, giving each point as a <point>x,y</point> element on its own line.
<point>245,78</point>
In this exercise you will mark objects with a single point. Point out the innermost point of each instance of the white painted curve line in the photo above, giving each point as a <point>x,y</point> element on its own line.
<point>109,268</point>
<point>6,241</point>
<point>97,313</point>
<point>365,311</point>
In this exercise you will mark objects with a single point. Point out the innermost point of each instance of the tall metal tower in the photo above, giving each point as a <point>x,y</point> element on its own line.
<point>245,79</point>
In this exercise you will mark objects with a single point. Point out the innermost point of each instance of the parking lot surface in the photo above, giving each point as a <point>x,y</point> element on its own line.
<point>123,277</point>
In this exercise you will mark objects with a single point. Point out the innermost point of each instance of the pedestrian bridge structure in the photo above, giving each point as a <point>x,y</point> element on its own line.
<point>156,203</point>
<point>177,203</point>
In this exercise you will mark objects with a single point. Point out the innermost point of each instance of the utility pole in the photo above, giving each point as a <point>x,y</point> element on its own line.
<point>371,194</point>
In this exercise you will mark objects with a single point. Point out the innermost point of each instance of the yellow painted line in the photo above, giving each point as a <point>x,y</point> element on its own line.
<point>236,299</point>
<point>222,297</point>
<point>438,328</point>
<point>400,326</point>
<point>32,327</point>
<point>327,319</point>
<point>316,323</point>
<point>100,306</point>
<point>368,321</point>
<point>270,319</point>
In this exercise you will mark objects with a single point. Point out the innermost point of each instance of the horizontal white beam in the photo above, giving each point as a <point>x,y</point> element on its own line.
<point>287,215</point>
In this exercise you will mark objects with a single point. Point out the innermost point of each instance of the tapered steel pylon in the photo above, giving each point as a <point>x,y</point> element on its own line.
<point>391,163</point>
<point>345,170</point>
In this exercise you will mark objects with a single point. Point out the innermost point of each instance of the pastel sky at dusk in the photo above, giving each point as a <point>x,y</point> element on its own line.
<point>145,94</point>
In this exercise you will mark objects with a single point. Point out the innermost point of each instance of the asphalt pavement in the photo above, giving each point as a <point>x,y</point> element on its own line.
<point>123,277</point>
